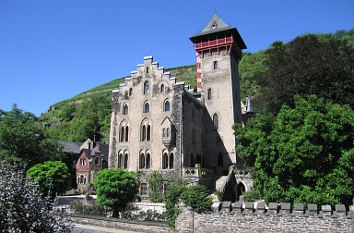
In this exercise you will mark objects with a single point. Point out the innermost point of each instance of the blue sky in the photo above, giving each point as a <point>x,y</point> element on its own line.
<point>53,50</point>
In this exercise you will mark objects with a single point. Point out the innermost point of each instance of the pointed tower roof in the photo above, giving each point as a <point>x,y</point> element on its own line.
<point>216,23</point>
<point>215,27</point>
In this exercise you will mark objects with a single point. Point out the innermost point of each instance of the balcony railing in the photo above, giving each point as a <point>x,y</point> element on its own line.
<point>214,43</point>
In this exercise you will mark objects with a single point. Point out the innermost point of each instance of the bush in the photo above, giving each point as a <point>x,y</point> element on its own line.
<point>155,187</point>
<point>94,210</point>
<point>197,197</point>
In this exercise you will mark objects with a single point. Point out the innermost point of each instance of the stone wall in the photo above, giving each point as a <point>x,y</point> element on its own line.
<point>250,217</point>
<point>129,225</point>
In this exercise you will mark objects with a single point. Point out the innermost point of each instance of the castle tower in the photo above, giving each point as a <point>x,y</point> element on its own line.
<point>218,50</point>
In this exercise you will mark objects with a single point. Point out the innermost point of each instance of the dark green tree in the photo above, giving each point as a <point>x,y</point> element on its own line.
<point>305,155</point>
<point>23,140</point>
<point>307,65</point>
<point>52,177</point>
<point>115,188</point>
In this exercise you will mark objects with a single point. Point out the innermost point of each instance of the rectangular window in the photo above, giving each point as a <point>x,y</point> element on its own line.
<point>209,94</point>
<point>215,65</point>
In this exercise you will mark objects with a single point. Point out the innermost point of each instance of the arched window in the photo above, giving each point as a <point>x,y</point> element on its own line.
<point>126,133</point>
<point>130,91</point>
<point>121,134</point>
<point>120,159</point>
<point>125,164</point>
<point>220,160</point>
<point>142,161</point>
<point>143,134</point>
<point>216,121</point>
<point>148,133</point>
<point>167,132</point>
<point>166,106</point>
<point>147,161</point>
<point>171,161</point>
<point>164,161</point>
<point>146,107</point>
<point>146,87</point>
<point>125,109</point>
<point>162,88</point>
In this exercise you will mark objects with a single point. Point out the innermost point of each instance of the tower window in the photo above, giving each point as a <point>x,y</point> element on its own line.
<point>216,121</point>
<point>146,87</point>
<point>148,133</point>
<point>162,88</point>
<point>130,91</point>
<point>215,65</point>
<point>209,94</point>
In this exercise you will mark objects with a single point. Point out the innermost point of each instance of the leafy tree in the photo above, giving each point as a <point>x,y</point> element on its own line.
<point>51,176</point>
<point>22,139</point>
<point>155,187</point>
<point>115,188</point>
<point>305,155</point>
<point>22,208</point>
<point>307,65</point>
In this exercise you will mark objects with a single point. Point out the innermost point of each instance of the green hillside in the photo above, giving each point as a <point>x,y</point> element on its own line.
<point>88,113</point>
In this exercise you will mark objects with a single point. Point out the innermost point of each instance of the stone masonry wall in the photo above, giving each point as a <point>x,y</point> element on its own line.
<point>245,217</point>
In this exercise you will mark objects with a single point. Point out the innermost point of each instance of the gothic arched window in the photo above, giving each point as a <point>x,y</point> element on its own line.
<point>125,109</point>
<point>146,107</point>
<point>166,106</point>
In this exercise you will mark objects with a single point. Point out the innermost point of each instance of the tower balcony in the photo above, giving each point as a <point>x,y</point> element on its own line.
<point>216,43</point>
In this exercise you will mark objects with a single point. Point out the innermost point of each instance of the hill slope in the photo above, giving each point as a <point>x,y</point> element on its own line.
<point>88,113</point>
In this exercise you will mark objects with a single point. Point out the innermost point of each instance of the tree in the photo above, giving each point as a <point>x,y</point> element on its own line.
<point>194,196</point>
<point>307,65</point>
<point>22,208</point>
<point>52,177</point>
<point>305,155</point>
<point>22,139</point>
<point>155,187</point>
<point>116,187</point>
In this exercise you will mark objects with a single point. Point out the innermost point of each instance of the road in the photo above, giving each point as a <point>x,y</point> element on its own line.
<point>79,228</point>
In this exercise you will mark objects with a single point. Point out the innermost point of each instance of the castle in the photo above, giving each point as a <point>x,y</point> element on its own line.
<point>160,124</point>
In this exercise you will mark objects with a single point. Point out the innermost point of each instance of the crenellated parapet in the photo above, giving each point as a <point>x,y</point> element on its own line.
<point>283,209</point>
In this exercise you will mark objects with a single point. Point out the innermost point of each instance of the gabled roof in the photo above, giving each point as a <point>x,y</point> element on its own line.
<point>102,148</point>
<point>217,26</point>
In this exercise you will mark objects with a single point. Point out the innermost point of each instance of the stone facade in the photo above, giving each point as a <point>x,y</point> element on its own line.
<point>160,124</point>
<point>250,217</point>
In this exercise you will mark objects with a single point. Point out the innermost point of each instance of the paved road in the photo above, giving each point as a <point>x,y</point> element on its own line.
<point>79,228</point>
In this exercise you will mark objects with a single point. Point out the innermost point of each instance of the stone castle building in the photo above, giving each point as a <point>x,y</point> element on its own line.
<point>160,124</point>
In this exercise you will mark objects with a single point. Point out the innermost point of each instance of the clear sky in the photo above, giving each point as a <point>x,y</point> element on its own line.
<point>53,50</point>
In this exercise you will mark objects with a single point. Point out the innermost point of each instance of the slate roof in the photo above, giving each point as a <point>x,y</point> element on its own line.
<point>71,147</point>
<point>103,148</point>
